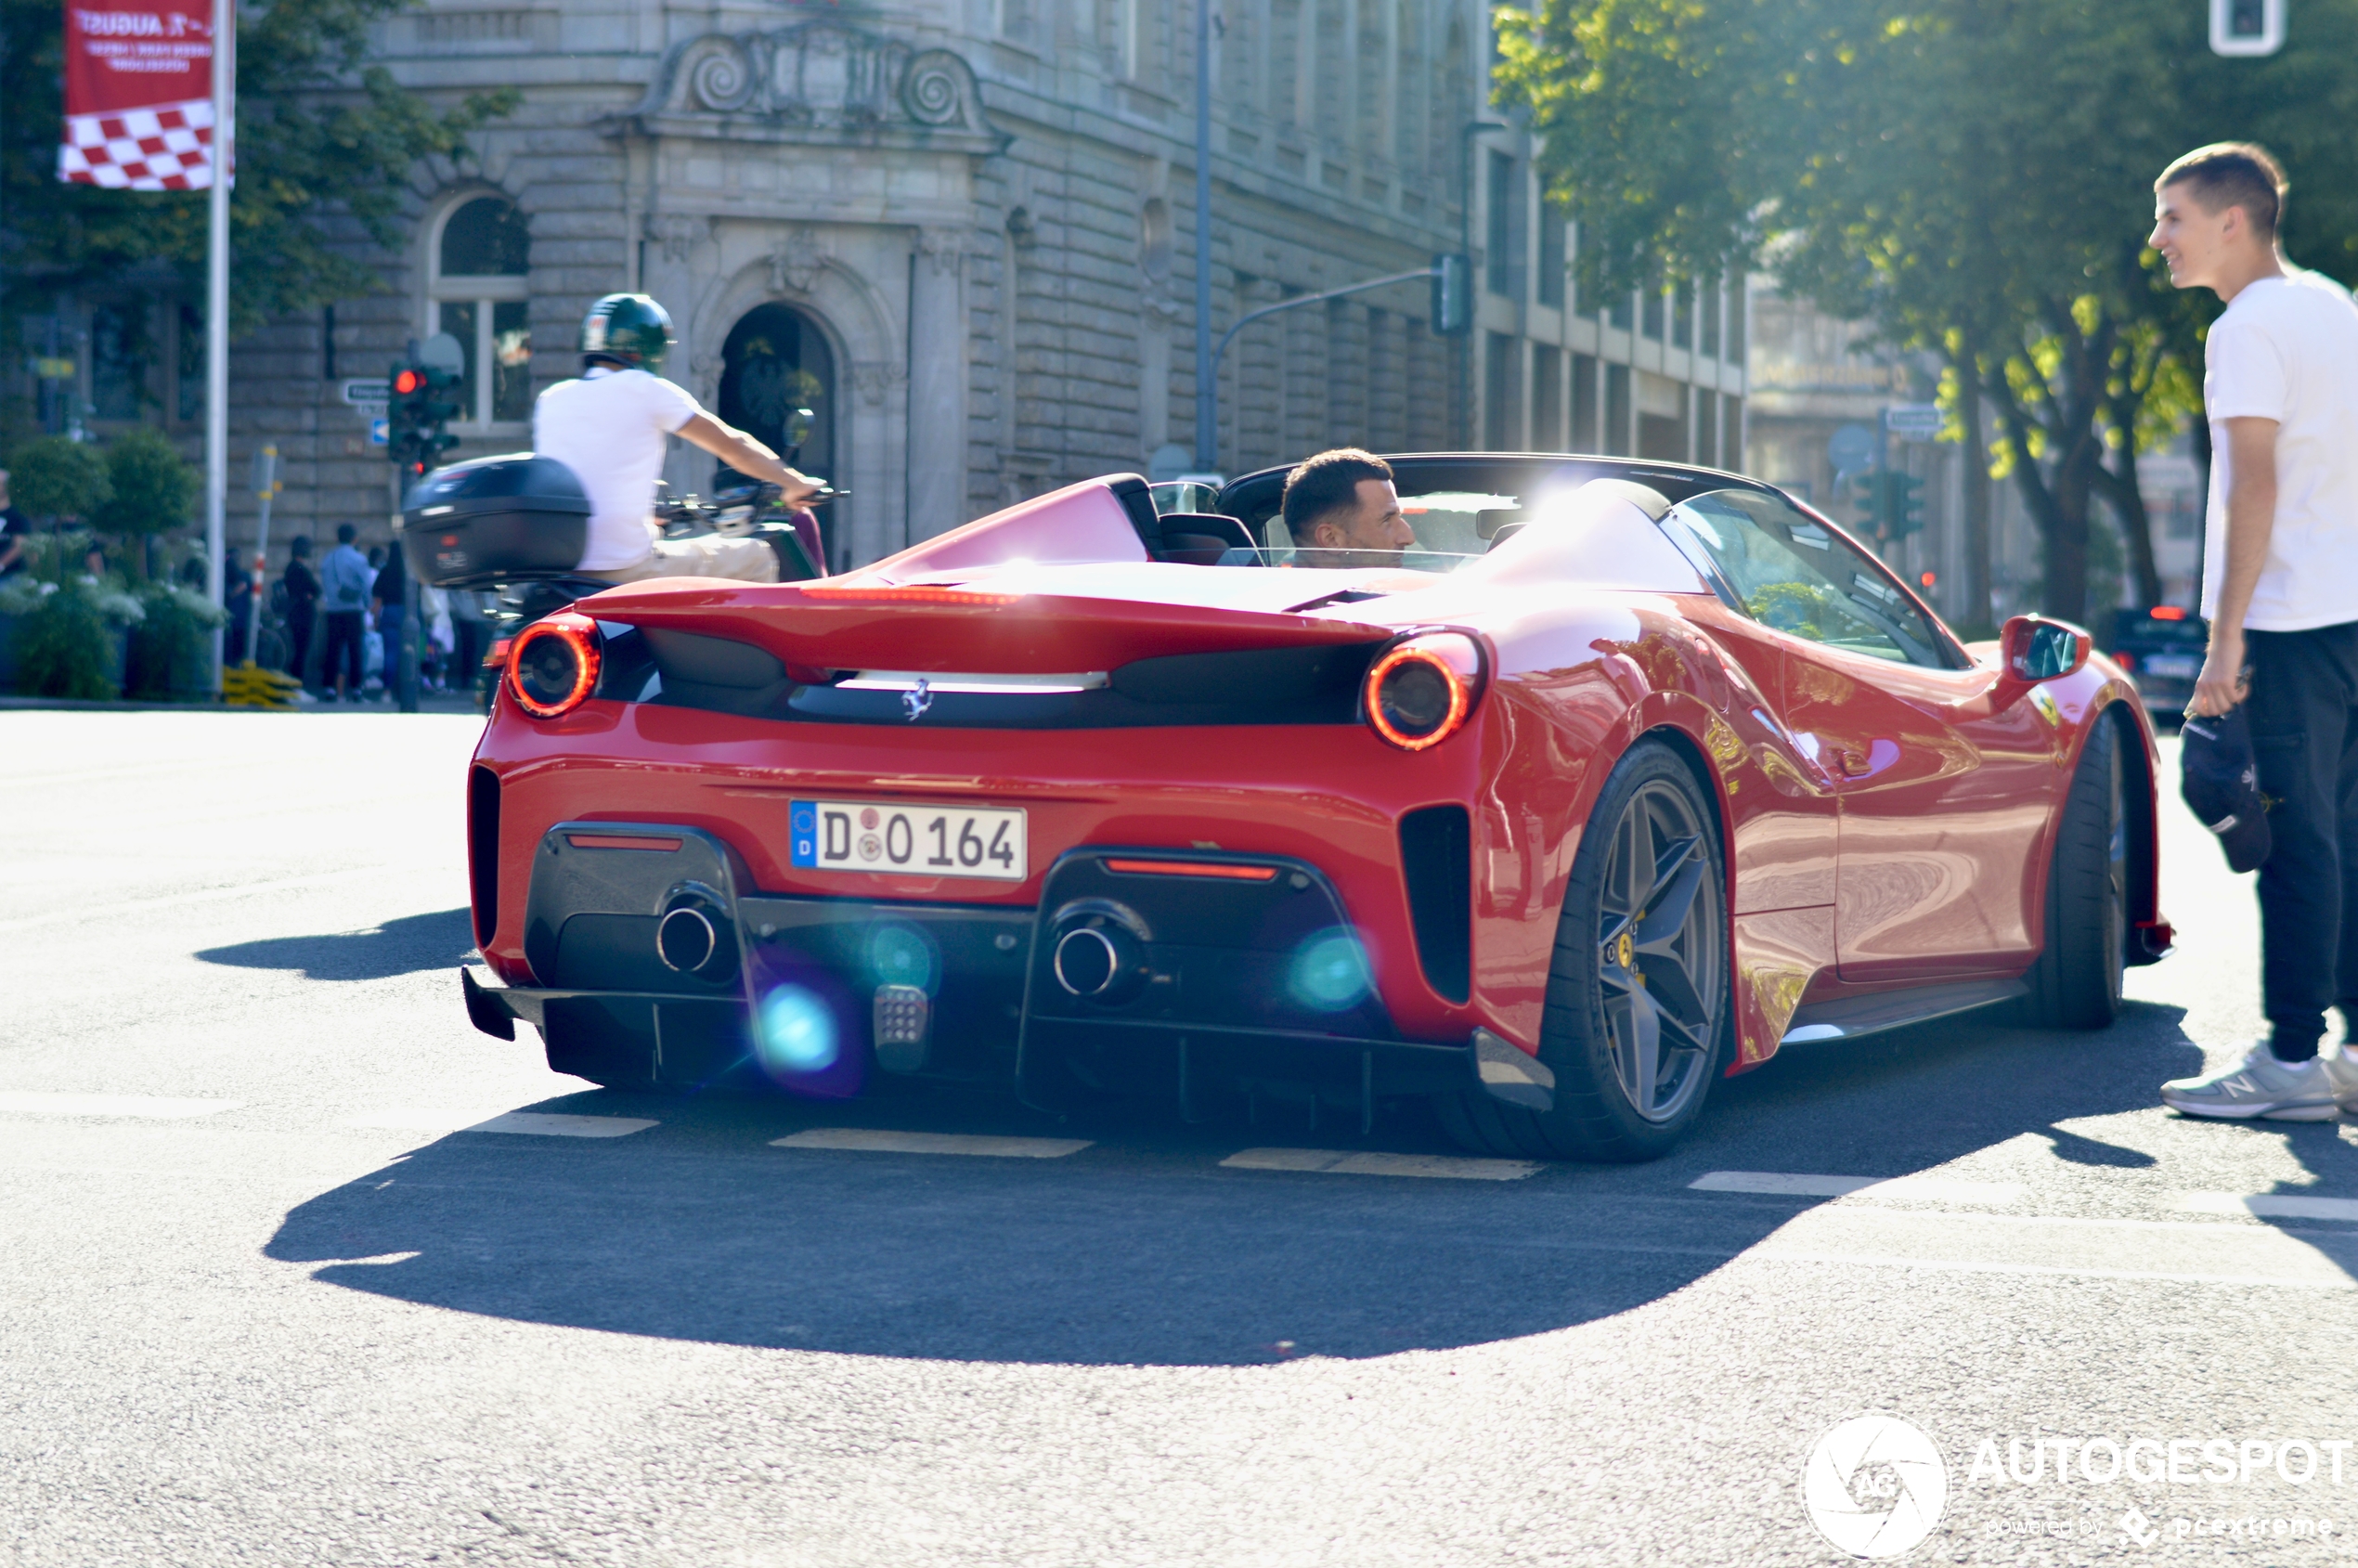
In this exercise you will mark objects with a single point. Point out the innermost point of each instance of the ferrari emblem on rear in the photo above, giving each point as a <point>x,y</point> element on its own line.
<point>915,700</point>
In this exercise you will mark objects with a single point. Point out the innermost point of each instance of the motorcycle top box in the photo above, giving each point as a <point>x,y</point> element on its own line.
<point>496,518</point>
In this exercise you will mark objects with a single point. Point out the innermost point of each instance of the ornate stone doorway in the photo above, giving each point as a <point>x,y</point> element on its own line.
<point>776,360</point>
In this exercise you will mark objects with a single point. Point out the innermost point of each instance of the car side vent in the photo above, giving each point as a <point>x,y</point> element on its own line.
<point>1436,859</point>
<point>483,852</point>
<point>718,673</point>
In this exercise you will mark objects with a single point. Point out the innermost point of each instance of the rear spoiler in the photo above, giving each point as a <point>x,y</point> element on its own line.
<point>862,623</point>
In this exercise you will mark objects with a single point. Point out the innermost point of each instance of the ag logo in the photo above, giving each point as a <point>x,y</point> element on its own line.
<point>1874,1487</point>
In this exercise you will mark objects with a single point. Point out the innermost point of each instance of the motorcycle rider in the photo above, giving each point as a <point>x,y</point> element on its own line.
<point>610,426</point>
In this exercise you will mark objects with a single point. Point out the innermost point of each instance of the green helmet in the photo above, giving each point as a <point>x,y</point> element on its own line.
<point>630,327</point>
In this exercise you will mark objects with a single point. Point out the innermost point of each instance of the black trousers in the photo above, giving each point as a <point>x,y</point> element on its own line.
<point>299,614</point>
<point>343,642</point>
<point>2304,710</point>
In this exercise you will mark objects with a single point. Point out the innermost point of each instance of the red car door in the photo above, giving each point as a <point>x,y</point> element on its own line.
<point>1943,804</point>
<point>1940,798</point>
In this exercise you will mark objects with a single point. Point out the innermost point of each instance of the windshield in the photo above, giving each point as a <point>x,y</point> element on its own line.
<point>1454,529</point>
<point>1789,571</point>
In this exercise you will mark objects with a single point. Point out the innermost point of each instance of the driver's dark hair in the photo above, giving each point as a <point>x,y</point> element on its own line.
<point>2232,174</point>
<point>1329,482</point>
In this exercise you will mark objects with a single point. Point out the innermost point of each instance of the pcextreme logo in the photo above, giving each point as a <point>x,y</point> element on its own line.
<point>1874,1487</point>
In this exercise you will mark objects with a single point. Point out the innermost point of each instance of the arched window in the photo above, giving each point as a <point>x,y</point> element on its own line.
<point>775,362</point>
<point>479,291</point>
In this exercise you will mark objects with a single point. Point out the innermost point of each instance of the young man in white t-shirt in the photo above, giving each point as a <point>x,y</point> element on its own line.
<point>612,427</point>
<point>2280,584</point>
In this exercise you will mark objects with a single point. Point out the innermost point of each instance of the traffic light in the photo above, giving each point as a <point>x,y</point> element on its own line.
<point>1452,295</point>
<point>1892,501</point>
<point>1904,505</point>
<point>1870,496</point>
<point>419,408</point>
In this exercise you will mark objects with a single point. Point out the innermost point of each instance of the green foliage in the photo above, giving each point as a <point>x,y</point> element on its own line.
<point>320,131</point>
<point>1973,176</point>
<point>56,477</point>
<point>64,646</point>
<point>171,656</point>
<point>153,490</point>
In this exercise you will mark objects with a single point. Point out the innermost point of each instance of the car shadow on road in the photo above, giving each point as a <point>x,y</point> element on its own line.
<point>439,940</point>
<point>1143,1248</point>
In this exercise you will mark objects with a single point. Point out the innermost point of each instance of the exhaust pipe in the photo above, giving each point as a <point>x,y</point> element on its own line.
<point>1099,963</point>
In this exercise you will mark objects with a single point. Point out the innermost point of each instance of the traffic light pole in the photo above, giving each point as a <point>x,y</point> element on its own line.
<point>1211,393</point>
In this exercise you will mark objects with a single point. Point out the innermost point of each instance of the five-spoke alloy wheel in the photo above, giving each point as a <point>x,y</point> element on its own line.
<point>1637,1016</point>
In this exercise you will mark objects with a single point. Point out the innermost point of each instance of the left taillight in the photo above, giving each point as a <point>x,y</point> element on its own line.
<point>552,664</point>
<point>1420,690</point>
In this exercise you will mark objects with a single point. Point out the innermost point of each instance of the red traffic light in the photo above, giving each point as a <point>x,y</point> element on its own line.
<point>407,380</point>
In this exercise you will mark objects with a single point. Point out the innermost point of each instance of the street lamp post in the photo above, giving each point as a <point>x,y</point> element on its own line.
<point>1206,426</point>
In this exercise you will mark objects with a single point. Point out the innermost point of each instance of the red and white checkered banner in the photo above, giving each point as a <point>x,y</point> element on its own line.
<point>138,94</point>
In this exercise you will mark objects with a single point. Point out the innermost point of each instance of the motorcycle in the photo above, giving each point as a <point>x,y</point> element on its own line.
<point>515,526</point>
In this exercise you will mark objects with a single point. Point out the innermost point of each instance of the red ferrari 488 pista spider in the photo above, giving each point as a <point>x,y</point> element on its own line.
<point>1626,775</point>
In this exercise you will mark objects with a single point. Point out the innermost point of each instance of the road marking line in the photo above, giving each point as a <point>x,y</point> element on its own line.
<point>884,1140</point>
<point>2284,1205</point>
<point>532,1123</point>
<point>1787,1184</point>
<point>21,1103</point>
<point>1345,1162</point>
<point>1959,1266</point>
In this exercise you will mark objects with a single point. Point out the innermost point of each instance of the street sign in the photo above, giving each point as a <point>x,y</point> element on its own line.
<point>363,392</point>
<point>1914,422</point>
<point>2247,27</point>
<point>381,432</point>
<point>1853,448</point>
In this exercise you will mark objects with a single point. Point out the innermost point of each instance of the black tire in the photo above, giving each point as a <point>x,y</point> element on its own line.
<point>1654,824</point>
<point>2076,982</point>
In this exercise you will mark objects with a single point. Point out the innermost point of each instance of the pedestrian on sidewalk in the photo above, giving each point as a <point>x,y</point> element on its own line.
<point>2280,586</point>
<point>344,581</point>
<point>16,529</point>
<point>388,600</point>
<point>297,604</point>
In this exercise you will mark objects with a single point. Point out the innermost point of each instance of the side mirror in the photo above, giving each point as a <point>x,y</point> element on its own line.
<point>797,428</point>
<point>2035,648</point>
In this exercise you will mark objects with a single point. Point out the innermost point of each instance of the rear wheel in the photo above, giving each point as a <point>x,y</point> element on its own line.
<point>1636,1009</point>
<point>2075,983</point>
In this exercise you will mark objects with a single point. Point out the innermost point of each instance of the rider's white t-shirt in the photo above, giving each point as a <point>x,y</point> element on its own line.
<point>2286,349</point>
<point>610,428</point>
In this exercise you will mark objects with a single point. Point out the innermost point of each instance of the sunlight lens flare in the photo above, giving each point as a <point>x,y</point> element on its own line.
<point>1330,973</point>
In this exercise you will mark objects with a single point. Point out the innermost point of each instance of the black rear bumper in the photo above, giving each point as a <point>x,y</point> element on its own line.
<point>1222,974</point>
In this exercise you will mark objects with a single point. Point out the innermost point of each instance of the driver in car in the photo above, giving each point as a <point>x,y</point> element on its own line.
<point>610,426</point>
<point>1343,511</point>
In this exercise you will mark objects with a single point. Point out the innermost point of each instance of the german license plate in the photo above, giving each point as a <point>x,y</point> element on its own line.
<point>911,841</point>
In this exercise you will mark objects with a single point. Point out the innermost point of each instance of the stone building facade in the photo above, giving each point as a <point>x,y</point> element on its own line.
<point>962,233</point>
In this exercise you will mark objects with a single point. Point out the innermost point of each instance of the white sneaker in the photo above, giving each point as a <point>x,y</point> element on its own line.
<point>2341,1068</point>
<point>2262,1086</point>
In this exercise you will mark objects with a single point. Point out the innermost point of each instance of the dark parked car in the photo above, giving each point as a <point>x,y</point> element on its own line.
<point>2161,649</point>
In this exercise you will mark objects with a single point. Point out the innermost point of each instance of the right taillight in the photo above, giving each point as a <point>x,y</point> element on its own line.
<point>553,666</point>
<point>1420,688</point>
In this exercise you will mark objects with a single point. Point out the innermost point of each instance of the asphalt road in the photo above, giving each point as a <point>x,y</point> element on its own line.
<point>278,1285</point>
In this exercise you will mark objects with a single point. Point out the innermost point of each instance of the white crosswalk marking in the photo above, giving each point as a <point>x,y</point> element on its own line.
<point>2269,1205</point>
<point>884,1140</point>
<point>20,1103</point>
<point>1345,1162</point>
<point>1789,1184</point>
<point>533,1123</point>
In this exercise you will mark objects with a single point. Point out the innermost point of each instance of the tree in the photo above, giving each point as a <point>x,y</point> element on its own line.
<point>320,132</point>
<point>152,492</point>
<point>57,477</point>
<point>1973,176</point>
